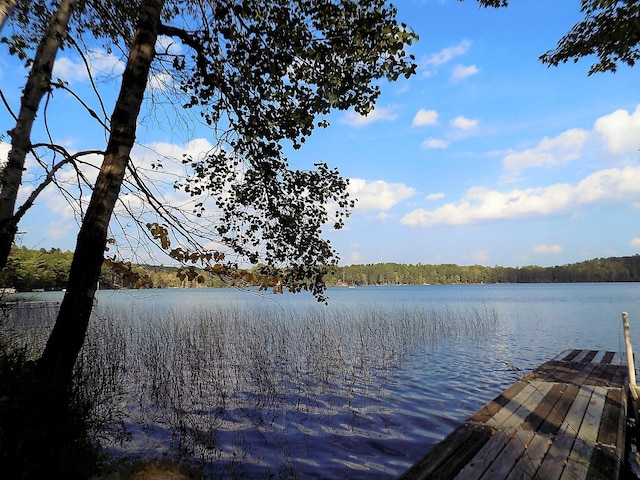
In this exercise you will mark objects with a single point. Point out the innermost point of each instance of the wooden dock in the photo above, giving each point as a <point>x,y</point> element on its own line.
<point>564,420</point>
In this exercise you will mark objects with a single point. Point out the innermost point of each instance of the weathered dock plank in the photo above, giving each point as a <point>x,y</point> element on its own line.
<point>564,420</point>
<point>527,465</point>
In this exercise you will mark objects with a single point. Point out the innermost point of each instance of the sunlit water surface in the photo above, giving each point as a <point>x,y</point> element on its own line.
<point>322,393</point>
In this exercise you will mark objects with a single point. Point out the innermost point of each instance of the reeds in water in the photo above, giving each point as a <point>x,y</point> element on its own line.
<point>239,390</point>
<point>218,381</point>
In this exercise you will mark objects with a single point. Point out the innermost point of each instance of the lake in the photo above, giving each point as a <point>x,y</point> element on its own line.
<point>258,386</point>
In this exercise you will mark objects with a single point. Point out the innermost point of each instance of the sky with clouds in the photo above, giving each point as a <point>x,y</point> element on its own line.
<point>485,156</point>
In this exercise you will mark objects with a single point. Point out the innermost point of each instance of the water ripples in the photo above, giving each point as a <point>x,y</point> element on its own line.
<point>361,389</point>
<point>296,395</point>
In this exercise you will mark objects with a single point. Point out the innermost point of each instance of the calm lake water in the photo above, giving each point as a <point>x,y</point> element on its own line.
<point>322,398</point>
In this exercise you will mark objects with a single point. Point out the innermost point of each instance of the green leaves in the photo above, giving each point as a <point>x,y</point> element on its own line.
<point>261,73</point>
<point>275,216</point>
<point>610,30</point>
<point>493,3</point>
<point>267,69</point>
<point>110,21</point>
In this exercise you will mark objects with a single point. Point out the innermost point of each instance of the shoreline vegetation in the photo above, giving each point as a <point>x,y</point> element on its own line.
<point>29,270</point>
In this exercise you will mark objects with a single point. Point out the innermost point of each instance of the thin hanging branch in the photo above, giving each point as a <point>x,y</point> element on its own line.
<point>51,175</point>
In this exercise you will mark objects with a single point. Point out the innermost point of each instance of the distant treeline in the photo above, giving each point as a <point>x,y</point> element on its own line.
<point>28,270</point>
<point>43,269</point>
<point>613,269</point>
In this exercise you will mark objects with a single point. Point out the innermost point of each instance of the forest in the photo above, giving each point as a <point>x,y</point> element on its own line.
<point>613,269</point>
<point>43,269</point>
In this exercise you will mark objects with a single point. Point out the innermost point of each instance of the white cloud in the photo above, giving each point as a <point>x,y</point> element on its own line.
<point>435,196</point>
<point>635,242</point>
<point>425,117</point>
<point>546,249</point>
<point>378,195</point>
<point>620,131</point>
<point>106,63</point>
<point>460,72</point>
<point>161,180</point>
<point>435,143</point>
<point>33,176</point>
<point>160,81</point>
<point>481,204</point>
<point>103,64</point>
<point>356,258</point>
<point>464,123</point>
<point>58,205</point>
<point>170,154</point>
<point>24,190</point>
<point>100,63</point>
<point>447,54</point>
<point>549,152</point>
<point>354,119</point>
<point>612,184</point>
<point>616,131</point>
<point>69,70</point>
<point>382,217</point>
<point>60,217</point>
<point>481,256</point>
<point>58,230</point>
<point>168,45</point>
<point>4,153</point>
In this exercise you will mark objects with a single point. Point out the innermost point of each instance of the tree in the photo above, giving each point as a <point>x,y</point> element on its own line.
<point>610,29</point>
<point>67,336</point>
<point>260,73</point>
<point>49,25</point>
<point>6,8</point>
<point>38,84</point>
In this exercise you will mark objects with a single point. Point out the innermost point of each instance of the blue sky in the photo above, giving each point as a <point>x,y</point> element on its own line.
<point>485,156</point>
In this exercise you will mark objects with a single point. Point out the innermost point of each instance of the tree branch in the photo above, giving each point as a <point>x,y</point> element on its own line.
<point>51,175</point>
<point>6,104</point>
<point>92,112</point>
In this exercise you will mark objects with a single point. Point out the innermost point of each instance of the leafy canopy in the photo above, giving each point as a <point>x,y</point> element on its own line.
<point>610,30</point>
<point>112,22</point>
<point>263,73</point>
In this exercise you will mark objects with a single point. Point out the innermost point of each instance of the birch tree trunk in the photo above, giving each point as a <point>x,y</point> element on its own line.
<point>38,84</point>
<point>6,8</point>
<point>64,344</point>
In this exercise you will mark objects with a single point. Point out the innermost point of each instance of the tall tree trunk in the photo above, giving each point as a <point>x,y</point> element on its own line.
<point>6,9</point>
<point>67,336</point>
<point>38,83</point>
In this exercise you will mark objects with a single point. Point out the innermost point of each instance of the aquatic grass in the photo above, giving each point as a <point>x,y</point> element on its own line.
<point>236,389</point>
<point>39,436</point>
<point>26,325</point>
<point>215,378</point>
